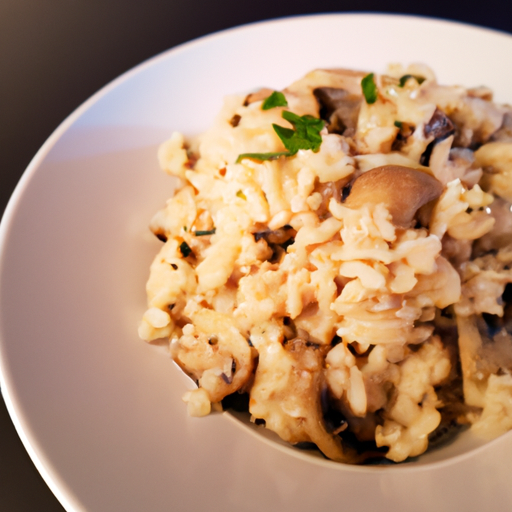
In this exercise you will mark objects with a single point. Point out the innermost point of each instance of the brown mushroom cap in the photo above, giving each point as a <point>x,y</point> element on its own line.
<point>260,95</point>
<point>401,189</point>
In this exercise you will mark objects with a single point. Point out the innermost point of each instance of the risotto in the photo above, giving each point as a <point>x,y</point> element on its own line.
<point>336,260</point>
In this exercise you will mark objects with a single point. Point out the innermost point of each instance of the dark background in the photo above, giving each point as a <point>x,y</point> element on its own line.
<point>54,54</point>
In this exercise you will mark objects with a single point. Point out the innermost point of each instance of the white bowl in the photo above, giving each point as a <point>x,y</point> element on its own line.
<point>99,411</point>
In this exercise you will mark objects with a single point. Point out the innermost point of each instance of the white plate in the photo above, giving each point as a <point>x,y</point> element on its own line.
<point>99,411</point>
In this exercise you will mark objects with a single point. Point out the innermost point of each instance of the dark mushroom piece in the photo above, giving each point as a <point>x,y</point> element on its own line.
<point>405,130</point>
<point>278,240</point>
<point>339,108</point>
<point>402,190</point>
<point>439,127</point>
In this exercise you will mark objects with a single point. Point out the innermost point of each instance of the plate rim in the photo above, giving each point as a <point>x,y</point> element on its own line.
<point>69,501</point>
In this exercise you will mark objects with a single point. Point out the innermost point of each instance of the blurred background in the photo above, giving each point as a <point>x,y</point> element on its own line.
<point>54,54</point>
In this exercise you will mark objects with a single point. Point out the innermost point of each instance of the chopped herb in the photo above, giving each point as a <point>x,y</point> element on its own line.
<point>184,228</point>
<point>185,249</point>
<point>241,195</point>
<point>306,135</point>
<point>206,232</point>
<point>398,124</point>
<point>369,88</point>
<point>403,79</point>
<point>276,99</point>
<point>262,156</point>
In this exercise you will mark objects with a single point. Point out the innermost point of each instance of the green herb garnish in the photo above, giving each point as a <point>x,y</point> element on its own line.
<point>241,195</point>
<point>276,99</point>
<point>185,249</point>
<point>398,124</point>
<point>369,88</point>
<point>262,156</point>
<point>205,232</point>
<point>306,135</point>
<point>403,79</point>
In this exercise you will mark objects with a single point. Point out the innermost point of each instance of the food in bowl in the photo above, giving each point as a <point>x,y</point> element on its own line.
<point>337,256</point>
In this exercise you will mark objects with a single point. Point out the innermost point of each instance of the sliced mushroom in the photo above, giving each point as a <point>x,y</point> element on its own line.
<point>439,127</point>
<point>214,353</point>
<point>278,236</point>
<point>289,399</point>
<point>484,350</point>
<point>476,121</point>
<point>339,108</point>
<point>504,134</point>
<point>260,95</point>
<point>277,241</point>
<point>300,94</point>
<point>402,190</point>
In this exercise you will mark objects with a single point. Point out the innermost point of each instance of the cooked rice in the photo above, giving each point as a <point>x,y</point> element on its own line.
<point>330,285</point>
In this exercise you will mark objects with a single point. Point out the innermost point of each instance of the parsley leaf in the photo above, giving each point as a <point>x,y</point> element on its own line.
<point>306,135</point>
<point>404,79</point>
<point>262,156</point>
<point>205,232</point>
<point>398,124</point>
<point>369,88</point>
<point>276,99</point>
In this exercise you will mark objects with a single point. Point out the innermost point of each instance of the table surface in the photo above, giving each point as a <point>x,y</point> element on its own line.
<point>54,54</point>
